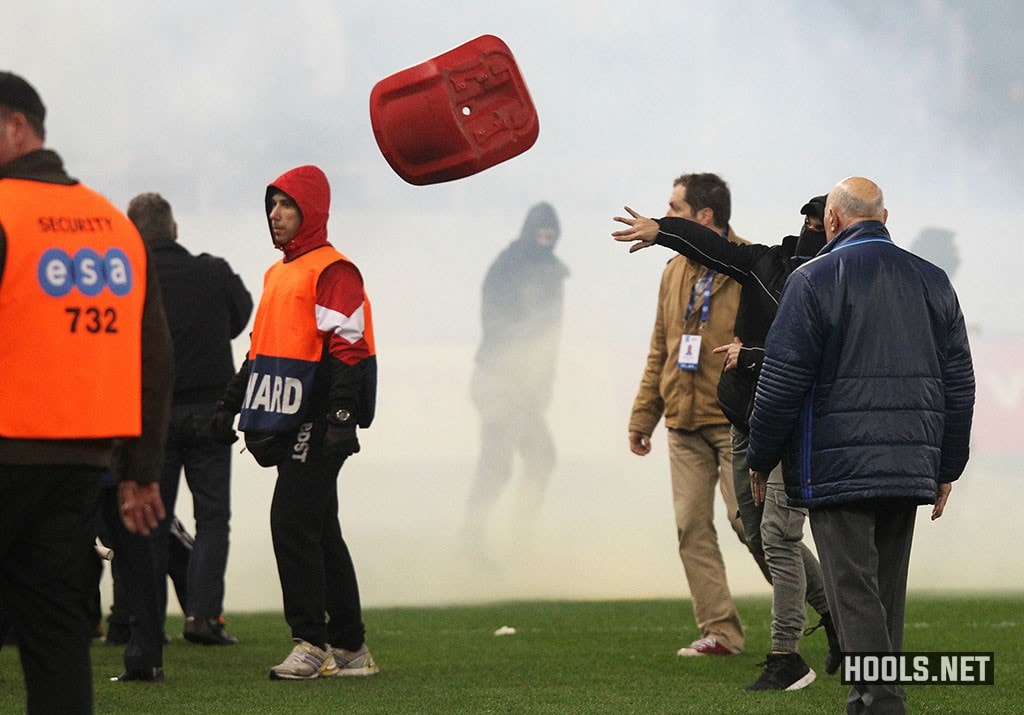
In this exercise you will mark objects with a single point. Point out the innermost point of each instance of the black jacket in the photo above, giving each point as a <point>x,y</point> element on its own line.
<point>762,271</point>
<point>207,305</point>
<point>867,387</point>
<point>521,315</point>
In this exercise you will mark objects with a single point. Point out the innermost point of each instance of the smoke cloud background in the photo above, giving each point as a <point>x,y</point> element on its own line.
<point>208,102</point>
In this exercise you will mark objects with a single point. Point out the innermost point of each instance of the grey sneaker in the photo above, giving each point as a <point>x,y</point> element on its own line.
<point>347,662</point>
<point>305,662</point>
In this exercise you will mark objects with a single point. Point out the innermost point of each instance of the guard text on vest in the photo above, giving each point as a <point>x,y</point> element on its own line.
<point>273,393</point>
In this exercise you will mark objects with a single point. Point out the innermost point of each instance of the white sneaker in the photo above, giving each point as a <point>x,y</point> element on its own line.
<point>305,662</point>
<point>704,646</point>
<point>347,662</point>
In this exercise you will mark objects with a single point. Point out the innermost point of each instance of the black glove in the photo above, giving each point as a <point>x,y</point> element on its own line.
<point>222,425</point>
<point>340,440</point>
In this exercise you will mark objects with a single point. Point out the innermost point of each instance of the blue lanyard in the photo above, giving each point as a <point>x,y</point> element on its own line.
<point>708,278</point>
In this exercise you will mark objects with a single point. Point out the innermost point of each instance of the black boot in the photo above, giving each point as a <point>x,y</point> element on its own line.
<point>835,654</point>
<point>141,675</point>
<point>783,671</point>
<point>207,631</point>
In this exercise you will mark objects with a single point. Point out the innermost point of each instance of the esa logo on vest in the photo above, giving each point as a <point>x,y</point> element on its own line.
<point>87,270</point>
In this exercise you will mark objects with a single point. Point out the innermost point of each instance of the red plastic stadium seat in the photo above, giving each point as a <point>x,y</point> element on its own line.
<point>455,115</point>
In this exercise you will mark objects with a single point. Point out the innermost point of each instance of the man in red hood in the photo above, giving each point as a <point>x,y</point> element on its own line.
<point>309,380</point>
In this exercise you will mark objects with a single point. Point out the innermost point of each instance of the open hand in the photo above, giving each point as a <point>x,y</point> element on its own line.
<point>641,229</point>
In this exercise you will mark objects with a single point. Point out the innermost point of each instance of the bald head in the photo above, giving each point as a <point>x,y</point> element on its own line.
<point>851,201</point>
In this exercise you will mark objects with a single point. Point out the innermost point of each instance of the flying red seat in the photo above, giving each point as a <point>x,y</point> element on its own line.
<point>454,115</point>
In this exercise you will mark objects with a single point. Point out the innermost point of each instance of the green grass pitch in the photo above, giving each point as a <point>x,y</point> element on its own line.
<point>565,657</point>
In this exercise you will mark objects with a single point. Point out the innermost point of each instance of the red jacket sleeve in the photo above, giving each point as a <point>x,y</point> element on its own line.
<point>340,303</point>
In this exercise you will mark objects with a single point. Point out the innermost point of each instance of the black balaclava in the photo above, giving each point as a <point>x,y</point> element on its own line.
<point>811,241</point>
<point>540,216</point>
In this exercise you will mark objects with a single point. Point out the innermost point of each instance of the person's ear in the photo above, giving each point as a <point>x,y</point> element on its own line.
<point>831,220</point>
<point>706,216</point>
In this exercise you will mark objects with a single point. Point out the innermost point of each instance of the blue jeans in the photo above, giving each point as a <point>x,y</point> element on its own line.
<point>207,467</point>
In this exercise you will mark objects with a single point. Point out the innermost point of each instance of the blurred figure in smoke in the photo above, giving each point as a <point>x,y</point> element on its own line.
<point>515,366</point>
<point>936,245</point>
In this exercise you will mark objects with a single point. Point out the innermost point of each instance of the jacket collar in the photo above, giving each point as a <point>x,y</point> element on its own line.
<point>41,165</point>
<point>857,232</point>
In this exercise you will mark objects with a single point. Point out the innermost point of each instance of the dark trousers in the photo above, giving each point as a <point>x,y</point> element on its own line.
<point>864,551</point>
<point>136,580</point>
<point>47,530</point>
<point>179,549</point>
<point>313,561</point>
<point>499,443</point>
<point>207,467</point>
<point>511,423</point>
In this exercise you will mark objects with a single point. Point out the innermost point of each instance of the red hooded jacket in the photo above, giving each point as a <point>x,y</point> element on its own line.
<point>312,341</point>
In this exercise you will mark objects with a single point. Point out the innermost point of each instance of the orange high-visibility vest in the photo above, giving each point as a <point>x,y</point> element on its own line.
<point>286,346</point>
<point>71,300</point>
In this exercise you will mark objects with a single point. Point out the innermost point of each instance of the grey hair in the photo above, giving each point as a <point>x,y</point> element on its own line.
<point>152,216</point>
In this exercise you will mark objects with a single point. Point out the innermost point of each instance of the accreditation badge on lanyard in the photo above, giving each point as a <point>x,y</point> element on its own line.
<point>689,344</point>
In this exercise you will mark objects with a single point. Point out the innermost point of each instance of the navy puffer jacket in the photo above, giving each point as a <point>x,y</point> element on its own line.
<point>867,387</point>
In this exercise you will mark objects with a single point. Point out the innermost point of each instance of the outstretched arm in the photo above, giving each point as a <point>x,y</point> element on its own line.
<point>692,240</point>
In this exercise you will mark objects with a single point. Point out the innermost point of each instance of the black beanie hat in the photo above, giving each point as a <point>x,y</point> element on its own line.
<point>18,94</point>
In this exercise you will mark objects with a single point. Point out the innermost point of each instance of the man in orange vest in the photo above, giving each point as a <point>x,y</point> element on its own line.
<point>309,380</point>
<point>87,367</point>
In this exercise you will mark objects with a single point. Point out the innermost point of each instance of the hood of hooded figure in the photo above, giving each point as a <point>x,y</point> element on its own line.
<point>309,189</point>
<point>540,216</point>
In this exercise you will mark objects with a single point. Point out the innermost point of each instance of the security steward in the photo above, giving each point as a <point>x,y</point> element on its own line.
<point>87,368</point>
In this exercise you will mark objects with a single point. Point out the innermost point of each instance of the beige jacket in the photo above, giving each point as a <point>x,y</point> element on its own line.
<point>686,398</point>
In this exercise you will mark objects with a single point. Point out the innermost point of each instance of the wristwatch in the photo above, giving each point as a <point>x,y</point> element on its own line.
<point>342,416</point>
